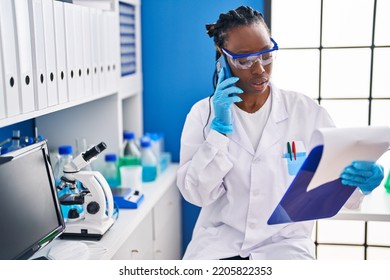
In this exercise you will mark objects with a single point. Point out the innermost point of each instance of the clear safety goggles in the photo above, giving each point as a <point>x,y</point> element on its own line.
<point>245,61</point>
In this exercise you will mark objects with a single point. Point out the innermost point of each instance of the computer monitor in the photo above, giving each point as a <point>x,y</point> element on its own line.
<point>30,214</point>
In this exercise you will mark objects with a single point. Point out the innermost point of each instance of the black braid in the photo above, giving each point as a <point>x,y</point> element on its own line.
<point>242,16</point>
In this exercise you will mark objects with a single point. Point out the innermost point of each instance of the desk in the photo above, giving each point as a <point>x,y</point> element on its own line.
<point>375,207</point>
<point>362,233</point>
<point>144,227</point>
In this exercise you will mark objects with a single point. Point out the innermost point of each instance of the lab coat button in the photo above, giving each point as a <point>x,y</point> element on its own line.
<point>256,193</point>
<point>252,225</point>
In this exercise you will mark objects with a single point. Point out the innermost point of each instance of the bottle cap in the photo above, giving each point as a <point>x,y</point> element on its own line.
<point>65,150</point>
<point>110,157</point>
<point>128,135</point>
<point>145,142</point>
<point>153,136</point>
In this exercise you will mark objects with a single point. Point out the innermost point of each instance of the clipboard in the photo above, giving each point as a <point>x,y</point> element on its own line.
<point>304,200</point>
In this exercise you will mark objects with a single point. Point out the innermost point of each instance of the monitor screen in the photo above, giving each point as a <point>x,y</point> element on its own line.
<point>30,214</point>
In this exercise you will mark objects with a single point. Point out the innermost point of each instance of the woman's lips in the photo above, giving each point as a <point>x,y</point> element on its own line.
<point>260,84</point>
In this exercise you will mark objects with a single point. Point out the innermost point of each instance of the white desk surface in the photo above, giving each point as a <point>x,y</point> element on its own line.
<point>128,219</point>
<point>375,207</point>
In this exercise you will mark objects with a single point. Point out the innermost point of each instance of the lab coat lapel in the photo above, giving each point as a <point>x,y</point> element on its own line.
<point>274,127</point>
<point>239,135</point>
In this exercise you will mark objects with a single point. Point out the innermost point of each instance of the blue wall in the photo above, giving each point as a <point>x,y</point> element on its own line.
<point>178,64</point>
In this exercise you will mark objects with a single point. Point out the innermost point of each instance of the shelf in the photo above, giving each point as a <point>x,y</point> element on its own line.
<point>48,110</point>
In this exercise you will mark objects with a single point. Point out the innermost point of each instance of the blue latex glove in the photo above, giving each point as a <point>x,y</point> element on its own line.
<point>366,175</point>
<point>224,96</point>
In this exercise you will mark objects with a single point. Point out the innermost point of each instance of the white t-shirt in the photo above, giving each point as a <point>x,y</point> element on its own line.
<point>254,123</point>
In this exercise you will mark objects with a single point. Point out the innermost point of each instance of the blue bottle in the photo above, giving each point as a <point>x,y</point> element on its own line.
<point>110,171</point>
<point>148,160</point>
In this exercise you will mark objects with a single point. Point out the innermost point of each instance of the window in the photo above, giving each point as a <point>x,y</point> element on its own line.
<point>338,53</point>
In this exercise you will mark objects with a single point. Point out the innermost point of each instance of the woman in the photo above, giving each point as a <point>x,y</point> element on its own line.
<point>233,167</point>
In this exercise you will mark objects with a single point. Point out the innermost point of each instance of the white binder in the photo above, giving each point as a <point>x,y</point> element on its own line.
<point>2,90</point>
<point>62,74</point>
<point>70,51</point>
<point>113,51</point>
<point>24,56</point>
<point>50,48</point>
<point>95,51</point>
<point>10,67</point>
<point>38,49</point>
<point>79,50</point>
<point>87,50</point>
<point>102,29</point>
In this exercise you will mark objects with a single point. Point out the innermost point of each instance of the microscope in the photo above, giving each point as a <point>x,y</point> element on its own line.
<point>95,196</point>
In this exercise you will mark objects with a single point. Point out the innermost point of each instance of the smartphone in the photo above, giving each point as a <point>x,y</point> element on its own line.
<point>222,63</point>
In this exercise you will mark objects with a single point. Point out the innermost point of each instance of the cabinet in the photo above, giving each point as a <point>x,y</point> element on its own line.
<point>139,245</point>
<point>92,97</point>
<point>167,226</point>
<point>92,55</point>
<point>158,235</point>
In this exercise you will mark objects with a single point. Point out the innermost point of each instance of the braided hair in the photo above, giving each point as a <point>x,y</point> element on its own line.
<point>242,16</point>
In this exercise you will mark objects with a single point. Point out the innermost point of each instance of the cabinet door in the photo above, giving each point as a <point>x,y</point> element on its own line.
<point>167,242</point>
<point>167,226</point>
<point>139,245</point>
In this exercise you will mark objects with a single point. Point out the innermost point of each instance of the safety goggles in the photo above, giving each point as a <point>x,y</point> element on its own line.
<point>245,61</point>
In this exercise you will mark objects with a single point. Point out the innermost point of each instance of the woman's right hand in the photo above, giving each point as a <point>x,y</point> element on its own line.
<point>224,96</point>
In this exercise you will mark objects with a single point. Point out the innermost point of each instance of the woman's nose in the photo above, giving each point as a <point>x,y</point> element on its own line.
<point>257,67</point>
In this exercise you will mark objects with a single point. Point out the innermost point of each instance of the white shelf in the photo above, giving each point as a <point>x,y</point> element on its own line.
<point>52,109</point>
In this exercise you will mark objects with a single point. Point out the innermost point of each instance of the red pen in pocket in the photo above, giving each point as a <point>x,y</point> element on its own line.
<point>294,150</point>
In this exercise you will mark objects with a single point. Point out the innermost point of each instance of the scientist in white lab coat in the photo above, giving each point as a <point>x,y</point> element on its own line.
<point>232,147</point>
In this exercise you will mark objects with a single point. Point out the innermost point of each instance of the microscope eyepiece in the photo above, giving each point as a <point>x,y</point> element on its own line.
<point>94,151</point>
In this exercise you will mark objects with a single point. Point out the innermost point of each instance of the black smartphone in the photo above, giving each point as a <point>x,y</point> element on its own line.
<point>222,63</point>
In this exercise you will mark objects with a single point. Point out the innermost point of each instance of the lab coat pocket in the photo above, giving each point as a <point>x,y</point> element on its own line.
<point>295,156</point>
<point>293,165</point>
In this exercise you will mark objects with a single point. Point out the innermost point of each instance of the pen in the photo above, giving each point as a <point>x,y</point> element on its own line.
<point>289,150</point>
<point>294,150</point>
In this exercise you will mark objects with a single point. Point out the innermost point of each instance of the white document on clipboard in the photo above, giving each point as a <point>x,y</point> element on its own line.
<point>316,191</point>
<point>344,145</point>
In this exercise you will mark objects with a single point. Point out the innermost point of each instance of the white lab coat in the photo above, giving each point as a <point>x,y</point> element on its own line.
<point>238,187</point>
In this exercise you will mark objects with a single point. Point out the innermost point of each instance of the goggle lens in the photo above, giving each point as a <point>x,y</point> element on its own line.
<point>247,62</point>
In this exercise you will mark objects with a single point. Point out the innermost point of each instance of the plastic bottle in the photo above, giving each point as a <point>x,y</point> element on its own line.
<point>129,153</point>
<point>157,140</point>
<point>15,143</point>
<point>148,160</point>
<point>163,158</point>
<point>65,157</point>
<point>110,172</point>
<point>130,148</point>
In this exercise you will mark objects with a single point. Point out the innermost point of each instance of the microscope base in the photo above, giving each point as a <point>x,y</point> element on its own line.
<point>83,229</point>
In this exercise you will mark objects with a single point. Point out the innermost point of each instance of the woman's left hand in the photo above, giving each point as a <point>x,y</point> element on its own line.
<point>366,175</point>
